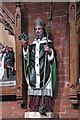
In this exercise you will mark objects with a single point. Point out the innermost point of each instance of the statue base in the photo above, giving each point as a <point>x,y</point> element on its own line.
<point>38,115</point>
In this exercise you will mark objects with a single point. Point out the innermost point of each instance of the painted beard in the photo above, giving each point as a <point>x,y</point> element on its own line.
<point>39,36</point>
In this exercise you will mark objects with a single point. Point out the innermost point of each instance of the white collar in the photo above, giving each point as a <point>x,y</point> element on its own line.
<point>44,40</point>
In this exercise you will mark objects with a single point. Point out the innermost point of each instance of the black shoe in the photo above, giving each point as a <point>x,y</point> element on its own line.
<point>42,109</point>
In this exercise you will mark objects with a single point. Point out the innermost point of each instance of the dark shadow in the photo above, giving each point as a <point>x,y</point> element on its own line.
<point>79,60</point>
<point>78,5</point>
<point>8,98</point>
<point>56,115</point>
<point>24,19</point>
<point>77,106</point>
<point>24,28</point>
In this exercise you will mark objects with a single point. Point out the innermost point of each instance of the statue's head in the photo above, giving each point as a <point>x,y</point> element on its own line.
<point>38,22</point>
<point>39,27</point>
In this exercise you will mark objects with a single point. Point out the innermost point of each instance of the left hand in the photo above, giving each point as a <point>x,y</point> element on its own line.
<point>47,49</point>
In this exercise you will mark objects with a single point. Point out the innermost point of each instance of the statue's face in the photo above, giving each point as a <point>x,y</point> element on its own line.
<point>38,31</point>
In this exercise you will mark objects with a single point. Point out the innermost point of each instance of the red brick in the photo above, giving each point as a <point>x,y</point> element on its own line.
<point>56,20</point>
<point>12,109</point>
<point>59,13</point>
<point>34,16</point>
<point>65,77</point>
<point>6,4</point>
<point>57,42</point>
<point>59,77</point>
<point>35,11</point>
<point>62,71</point>
<point>63,19</point>
<point>56,115</point>
<point>66,89</point>
<point>66,53</point>
<point>11,7</point>
<point>64,103</point>
<point>72,110</point>
<point>62,109</point>
<point>63,115</point>
<point>56,106</point>
<point>12,4</point>
<point>64,96</point>
<point>60,6</point>
<point>61,84</point>
<point>37,4</point>
<point>66,60</point>
<point>46,9</point>
<point>73,115</point>
<point>66,67</point>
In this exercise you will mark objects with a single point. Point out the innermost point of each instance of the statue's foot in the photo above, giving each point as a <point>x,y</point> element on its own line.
<point>42,109</point>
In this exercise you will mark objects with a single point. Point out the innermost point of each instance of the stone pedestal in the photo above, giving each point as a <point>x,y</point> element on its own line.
<point>38,115</point>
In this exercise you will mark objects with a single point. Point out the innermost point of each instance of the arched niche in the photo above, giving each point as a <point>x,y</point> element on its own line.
<point>7,38</point>
<point>12,28</point>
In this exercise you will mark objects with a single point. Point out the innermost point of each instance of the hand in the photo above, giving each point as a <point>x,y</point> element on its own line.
<point>47,49</point>
<point>3,50</point>
<point>24,43</point>
<point>12,68</point>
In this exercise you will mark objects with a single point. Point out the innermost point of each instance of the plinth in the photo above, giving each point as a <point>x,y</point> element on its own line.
<point>38,115</point>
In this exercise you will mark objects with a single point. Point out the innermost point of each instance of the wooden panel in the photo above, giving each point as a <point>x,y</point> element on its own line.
<point>78,32</point>
<point>74,69</point>
<point>18,52</point>
<point>78,89</point>
<point>78,21</point>
<point>7,38</point>
<point>7,90</point>
<point>73,46</point>
<point>74,55</point>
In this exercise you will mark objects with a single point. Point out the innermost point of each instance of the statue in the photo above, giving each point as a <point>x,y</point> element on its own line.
<point>40,69</point>
<point>6,62</point>
<point>9,62</point>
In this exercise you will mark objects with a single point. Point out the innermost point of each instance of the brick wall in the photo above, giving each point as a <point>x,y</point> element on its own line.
<point>11,108</point>
<point>60,36</point>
